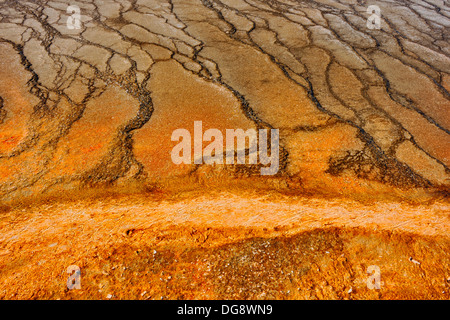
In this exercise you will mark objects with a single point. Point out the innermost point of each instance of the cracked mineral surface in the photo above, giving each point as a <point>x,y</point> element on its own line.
<point>87,111</point>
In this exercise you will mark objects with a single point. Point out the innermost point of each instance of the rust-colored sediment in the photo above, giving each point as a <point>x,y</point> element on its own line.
<point>225,246</point>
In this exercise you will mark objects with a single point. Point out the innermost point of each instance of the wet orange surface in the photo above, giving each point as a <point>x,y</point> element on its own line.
<point>87,178</point>
<point>225,245</point>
